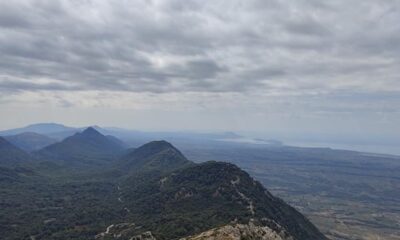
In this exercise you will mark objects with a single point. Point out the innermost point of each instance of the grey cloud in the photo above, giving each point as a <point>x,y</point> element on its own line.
<point>211,46</point>
<point>308,27</point>
<point>17,85</point>
<point>8,20</point>
<point>13,16</point>
<point>264,73</point>
<point>196,70</point>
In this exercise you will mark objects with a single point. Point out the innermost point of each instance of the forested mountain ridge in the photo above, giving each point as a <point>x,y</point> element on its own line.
<point>151,192</point>
<point>202,196</point>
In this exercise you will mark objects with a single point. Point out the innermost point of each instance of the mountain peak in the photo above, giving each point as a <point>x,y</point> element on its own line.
<point>86,146</point>
<point>154,147</point>
<point>160,155</point>
<point>91,131</point>
<point>159,144</point>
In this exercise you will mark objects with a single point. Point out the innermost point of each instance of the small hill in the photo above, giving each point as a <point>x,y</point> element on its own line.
<point>156,155</point>
<point>87,147</point>
<point>30,141</point>
<point>11,155</point>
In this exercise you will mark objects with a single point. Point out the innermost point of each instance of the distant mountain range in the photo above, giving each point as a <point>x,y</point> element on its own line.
<point>132,137</point>
<point>89,186</point>
<point>41,128</point>
<point>30,141</point>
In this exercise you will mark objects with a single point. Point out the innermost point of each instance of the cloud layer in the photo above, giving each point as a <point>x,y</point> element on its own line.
<point>212,46</point>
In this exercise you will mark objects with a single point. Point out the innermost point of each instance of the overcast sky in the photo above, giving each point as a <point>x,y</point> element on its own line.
<point>290,67</point>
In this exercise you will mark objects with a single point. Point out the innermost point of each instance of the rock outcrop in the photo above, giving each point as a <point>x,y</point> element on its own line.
<point>241,231</point>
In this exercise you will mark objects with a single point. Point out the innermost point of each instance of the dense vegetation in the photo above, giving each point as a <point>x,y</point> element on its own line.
<point>206,195</point>
<point>75,194</point>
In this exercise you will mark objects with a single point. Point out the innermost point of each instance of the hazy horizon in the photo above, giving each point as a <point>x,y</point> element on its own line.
<point>381,146</point>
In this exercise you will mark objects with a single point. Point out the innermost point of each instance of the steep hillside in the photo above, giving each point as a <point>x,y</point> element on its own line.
<point>205,196</point>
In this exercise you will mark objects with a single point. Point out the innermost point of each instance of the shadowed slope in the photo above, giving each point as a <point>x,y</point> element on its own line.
<point>10,155</point>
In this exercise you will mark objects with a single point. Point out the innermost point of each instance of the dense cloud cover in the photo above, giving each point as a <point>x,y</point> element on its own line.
<point>309,58</point>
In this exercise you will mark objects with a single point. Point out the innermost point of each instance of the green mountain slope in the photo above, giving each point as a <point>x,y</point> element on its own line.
<point>87,147</point>
<point>155,194</point>
<point>208,195</point>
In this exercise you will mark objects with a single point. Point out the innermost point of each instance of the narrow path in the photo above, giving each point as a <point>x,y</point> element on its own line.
<point>121,200</point>
<point>244,197</point>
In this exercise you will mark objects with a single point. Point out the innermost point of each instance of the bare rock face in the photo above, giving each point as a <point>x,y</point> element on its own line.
<point>144,236</point>
<point>241,231</point>
<point>124,231</point>
<point>233,231</point>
